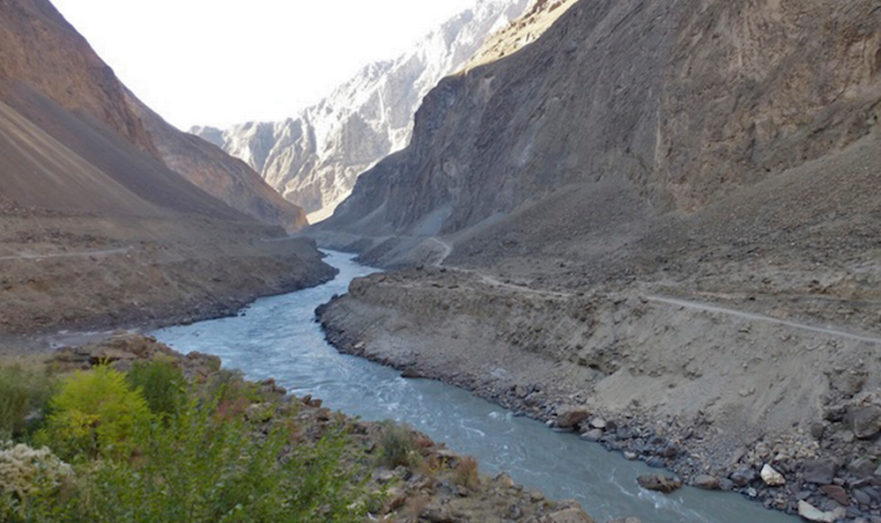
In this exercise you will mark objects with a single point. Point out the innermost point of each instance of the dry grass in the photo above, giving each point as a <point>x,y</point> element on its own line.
<point>466,473</point>
<point>415,506</point>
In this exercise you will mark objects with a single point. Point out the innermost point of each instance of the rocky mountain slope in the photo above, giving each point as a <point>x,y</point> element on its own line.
<point>314,158</point>
<point>217,173</point>
<point>662,213</point>
<point>74,77</point>
<point>683,104</point>
<point>94,227</point>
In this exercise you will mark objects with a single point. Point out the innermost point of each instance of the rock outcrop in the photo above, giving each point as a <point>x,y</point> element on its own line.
<point>314,158</point>
<point>677,103</point>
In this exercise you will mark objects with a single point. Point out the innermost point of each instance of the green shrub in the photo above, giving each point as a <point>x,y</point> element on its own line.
<point>196,469</point>
<point>162,384</point>
<point>230,392</point>
<point>397,445</point>
<point>193,467</point>
<point>95,413</point>
<point>22,392</point>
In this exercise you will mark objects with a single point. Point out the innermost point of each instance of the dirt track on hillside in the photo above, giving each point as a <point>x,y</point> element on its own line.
<point>82,272</point>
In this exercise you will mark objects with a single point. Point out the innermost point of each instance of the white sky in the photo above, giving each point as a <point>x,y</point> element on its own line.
<point>221,62</point>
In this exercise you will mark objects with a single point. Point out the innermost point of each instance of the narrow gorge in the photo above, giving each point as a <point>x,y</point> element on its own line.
<point>625,255</point>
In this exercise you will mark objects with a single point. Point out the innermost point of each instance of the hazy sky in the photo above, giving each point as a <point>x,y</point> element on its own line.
<point>220,62</point>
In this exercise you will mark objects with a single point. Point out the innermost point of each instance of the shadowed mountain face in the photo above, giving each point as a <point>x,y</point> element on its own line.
<point>314,158</point>
<point>678,103</point>
<point>90,187</point>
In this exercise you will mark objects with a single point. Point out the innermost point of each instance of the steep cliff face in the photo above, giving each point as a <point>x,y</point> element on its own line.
<point>677,102</point>
<point>315,157</point>
<point>528,28</point>
<point>217,173</point>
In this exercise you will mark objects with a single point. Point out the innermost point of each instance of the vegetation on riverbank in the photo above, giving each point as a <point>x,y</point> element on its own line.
<point>127,430</point>
<point>148,445</point>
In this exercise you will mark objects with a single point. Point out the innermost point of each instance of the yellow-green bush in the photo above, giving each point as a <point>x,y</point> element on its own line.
<point>191,465</point>
<point>95,414</point>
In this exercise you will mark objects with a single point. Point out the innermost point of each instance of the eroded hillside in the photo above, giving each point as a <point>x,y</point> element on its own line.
<point>95,228</point>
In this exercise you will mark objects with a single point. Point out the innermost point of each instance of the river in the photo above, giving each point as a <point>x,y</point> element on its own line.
<point>278,337</point>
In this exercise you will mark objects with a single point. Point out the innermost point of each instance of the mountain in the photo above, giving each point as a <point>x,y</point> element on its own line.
<point>96,227</point>
<point>217,173</point>
<point>663,215</point>
<point>667,105</point>
<point>314,158</point>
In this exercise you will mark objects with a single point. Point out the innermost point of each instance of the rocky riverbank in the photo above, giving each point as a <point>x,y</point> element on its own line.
<point>749,403</point>
<point>425,482</point>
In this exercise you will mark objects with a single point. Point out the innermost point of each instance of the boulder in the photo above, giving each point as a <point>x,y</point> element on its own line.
<point>593,435</point>
<point>570,515</point>
<point>669,451</point>
<point>865,422</point>
<point>862,497</point>
<point>569,417</point>
<point>706,482</point>
<point>817,430</point>
<point>662,484</point>
<point>837,493</point>
<point>820,471</point>
<point>812,513</point>
<point>862,468</point>
<point>504,480</point>
<point>624,433</point>
<point>771,477</point>
<point>743,477</point>
<point>598,423</point>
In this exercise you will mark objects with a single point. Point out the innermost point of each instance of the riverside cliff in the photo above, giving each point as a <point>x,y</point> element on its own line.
<point>661,214</point>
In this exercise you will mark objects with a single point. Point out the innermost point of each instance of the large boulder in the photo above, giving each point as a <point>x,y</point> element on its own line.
<point>706,482</point>
<point>865,421</point>
<point>742,478</point>
<point>568,417</point>
<point>772,477</point>
<point>662,484</point>
<point>812,513</point>
<point>820,471</point>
